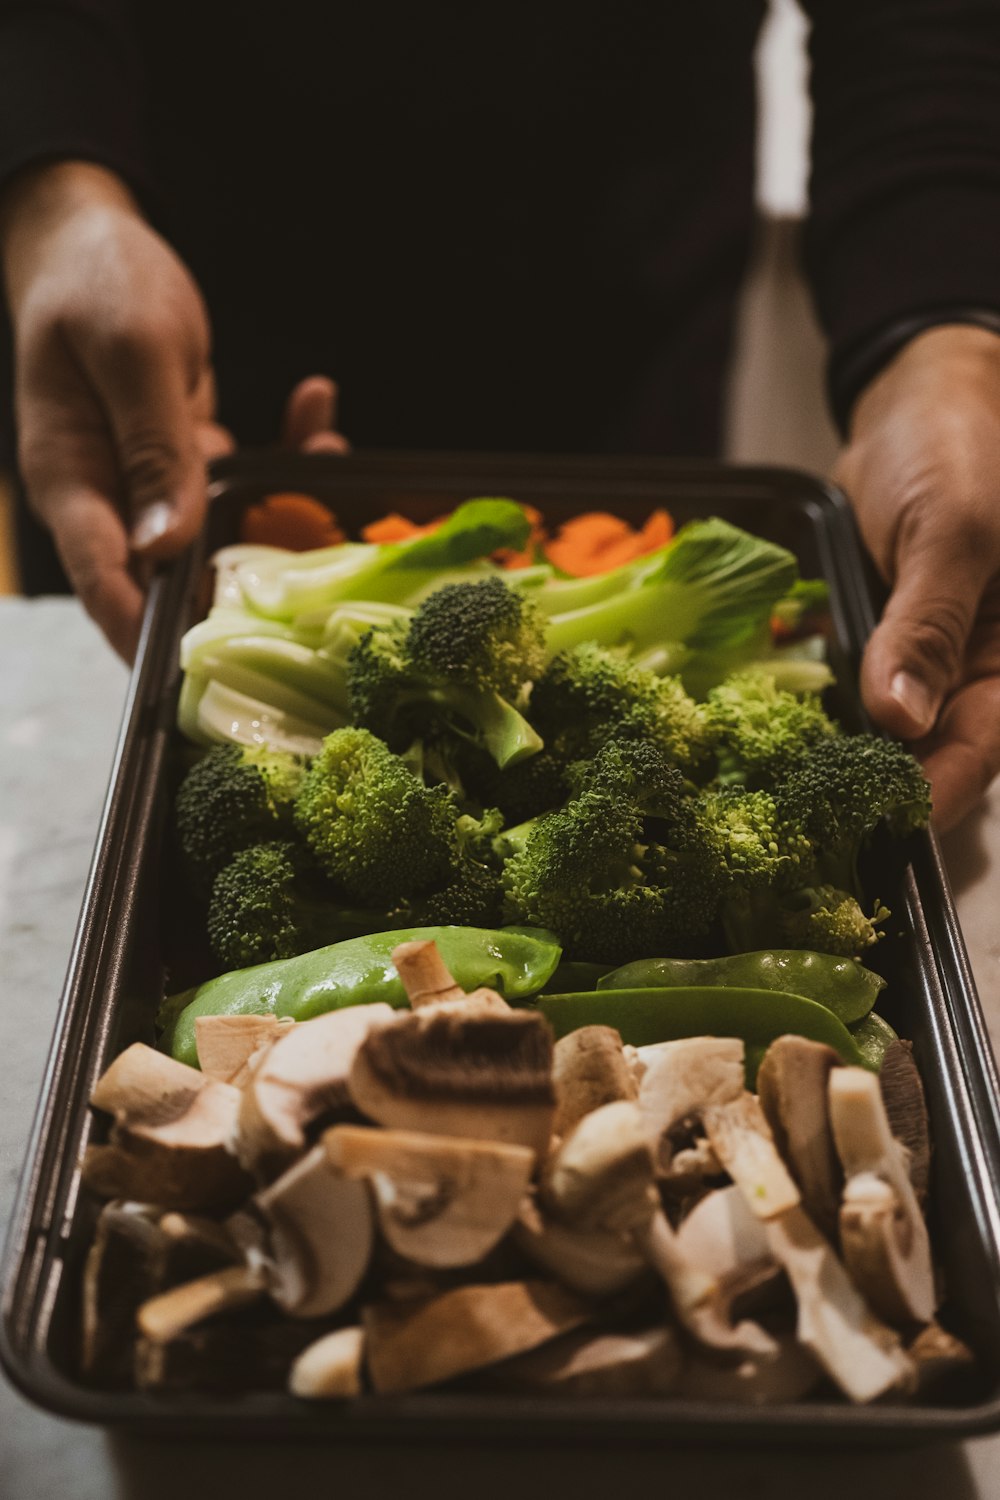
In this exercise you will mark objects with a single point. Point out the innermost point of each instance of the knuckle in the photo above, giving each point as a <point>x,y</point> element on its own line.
<point>149,462</point>
<point>939,636</point>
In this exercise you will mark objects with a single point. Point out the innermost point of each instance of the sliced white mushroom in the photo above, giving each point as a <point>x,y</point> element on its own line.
<point>589,1070</point>
<point>742,1140</point>
<point>331,1368</point>
<point>226,1043</point>
<point>861,1353</point>
<point>721,1235</point>
<point>678,1079</point>
<point>460,1070</point>
<point>594,1262</point>
<point>162,1318</point>
<point>883,1236</point>
<point>602,1178</point>
<point>441,1201</point>
<point>792,1086</point>
<point>906,1108</point>
<point>320,1236</point>
<point>299,1077</point>
<point>646,1363</point>
<point>857,1350</point>
<point>415,1344</point>
<point>168,1142</point>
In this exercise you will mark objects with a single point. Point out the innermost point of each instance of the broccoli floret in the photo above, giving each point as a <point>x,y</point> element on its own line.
<point>763,731</point>
<point>589,695</point>
<point>759,849</point>
<point>473,898</point>
<point>464,664</point>
<point>233,797</point>
<point>530,787</point>
<point>626,868</point>
<point>829,921</point>
<point>371,824</point>
<point>841,791</point>
<point>267,903</point>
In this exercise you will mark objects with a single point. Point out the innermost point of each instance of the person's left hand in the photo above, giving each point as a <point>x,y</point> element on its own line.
<point>922,470</point>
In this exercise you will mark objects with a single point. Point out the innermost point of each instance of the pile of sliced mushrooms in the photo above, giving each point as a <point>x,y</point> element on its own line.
<point>380,1201</point>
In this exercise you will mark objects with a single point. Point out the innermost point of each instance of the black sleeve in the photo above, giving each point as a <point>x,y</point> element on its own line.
<point>69,85</point>
<point>904,226</point>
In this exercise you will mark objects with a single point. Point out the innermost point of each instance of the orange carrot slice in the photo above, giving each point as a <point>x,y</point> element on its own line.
<point>298,522</point>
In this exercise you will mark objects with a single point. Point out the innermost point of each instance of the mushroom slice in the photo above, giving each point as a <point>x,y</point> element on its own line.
<point>942,1360</point>
<point>740,1137</point>
<point>883,1236</point>
<point>331,1368</point>
<point>721,1235</point>
<point>428,981</point>
<point>601,1178</point>
<point>300,1076</point>
<point>789,1375</point>
<point>594,1262</point>
<point>677,1079</point>
<point>226,1043</point>
<point>906,1108</point>
<point>481,1074</point>
<point>440,1201</point>
<point>168,1141</point>
<point>856,1349</point>
<point>162,1318</point>
<point>416,1344</point>
<point>589,1069</point>
<point>647,1363</point>
<point>321,1234</point>
<point>792,1086</point>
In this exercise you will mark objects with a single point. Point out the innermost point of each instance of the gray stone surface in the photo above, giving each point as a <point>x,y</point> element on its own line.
<point>62,693</point>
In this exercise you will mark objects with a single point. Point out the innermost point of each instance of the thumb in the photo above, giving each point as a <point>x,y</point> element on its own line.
<point>160,463</point>
<point>915,655</point>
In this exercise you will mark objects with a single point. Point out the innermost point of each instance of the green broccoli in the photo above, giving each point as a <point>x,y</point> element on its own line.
<point>372,825</point>
<point>589,695</point>
<point>626,869</point>
<point>464,665</point>
<point>829,921</point>
<point>841,791</point>
<point>763,731</point>
<point>268,902</point>
<point>233,797</point>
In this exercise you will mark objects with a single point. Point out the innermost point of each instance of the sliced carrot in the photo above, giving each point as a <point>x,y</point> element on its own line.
<point>596,542</point>
<point>397,528</point>
<point>298,522</point>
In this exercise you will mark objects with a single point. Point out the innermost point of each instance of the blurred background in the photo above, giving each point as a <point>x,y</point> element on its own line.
<point>776,409</point>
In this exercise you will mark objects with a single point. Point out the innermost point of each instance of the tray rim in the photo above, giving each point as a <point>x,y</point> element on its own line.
<point>133,777</point>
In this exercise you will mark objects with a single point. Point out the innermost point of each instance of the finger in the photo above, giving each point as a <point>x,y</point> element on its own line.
<point>915,655</point>
<point>214,440</point>
<point>326,442</point>
<point>311,409</point>
<point>93,547</point>
<point>963,755</point>
<point>146,395</point>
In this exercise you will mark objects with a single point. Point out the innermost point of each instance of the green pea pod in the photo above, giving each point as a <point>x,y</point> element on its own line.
<point>841,984</point>
<point>360,971</point>
<point>757,1016</point>
<point>873,1037</point>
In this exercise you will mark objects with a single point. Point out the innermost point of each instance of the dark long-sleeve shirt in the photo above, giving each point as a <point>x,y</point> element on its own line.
<point>517,226</point>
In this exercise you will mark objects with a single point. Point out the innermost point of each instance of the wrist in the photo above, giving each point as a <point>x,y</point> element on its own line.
<point>939,363</point>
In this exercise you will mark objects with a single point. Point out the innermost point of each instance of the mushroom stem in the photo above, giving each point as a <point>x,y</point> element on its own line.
<point>424,974</point>
<point>163,1318</point>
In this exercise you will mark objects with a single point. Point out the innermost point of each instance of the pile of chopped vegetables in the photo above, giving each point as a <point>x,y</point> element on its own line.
<point>539,854</point>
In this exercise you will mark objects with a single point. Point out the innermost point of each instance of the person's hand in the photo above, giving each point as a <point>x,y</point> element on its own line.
<point>922,469</point>
<point>113,385</point>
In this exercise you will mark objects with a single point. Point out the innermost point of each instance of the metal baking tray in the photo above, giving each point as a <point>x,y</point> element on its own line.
<point>117,973</point>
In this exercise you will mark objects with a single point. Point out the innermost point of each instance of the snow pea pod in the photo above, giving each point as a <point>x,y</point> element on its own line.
<point>841,984</point>
<point>757,1016</point>
<point>517,963</point>
<point>873,1037</point>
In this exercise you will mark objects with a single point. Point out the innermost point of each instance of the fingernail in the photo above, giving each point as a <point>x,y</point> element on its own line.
<point>154,522</point>
<point>916,698</point>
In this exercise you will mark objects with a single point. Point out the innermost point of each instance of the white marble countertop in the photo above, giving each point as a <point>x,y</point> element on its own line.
<point>62,696</point>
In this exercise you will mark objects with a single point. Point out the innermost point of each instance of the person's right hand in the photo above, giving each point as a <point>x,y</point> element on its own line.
<point>114,391</point>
